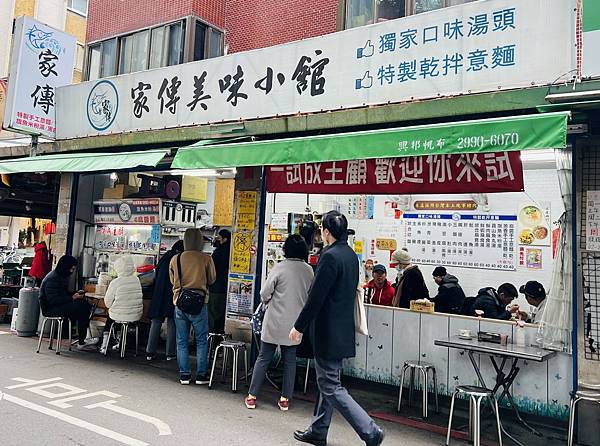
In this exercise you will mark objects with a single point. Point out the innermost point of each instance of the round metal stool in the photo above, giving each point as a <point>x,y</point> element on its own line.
<point>53,322</point>
<point>124,331</point>
<point>235,347</point>
<point>587,392</point>
<point>476,395</point>
<point>423,368</point>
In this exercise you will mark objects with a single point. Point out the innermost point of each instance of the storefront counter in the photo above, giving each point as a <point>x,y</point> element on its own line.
<point>397,335</point>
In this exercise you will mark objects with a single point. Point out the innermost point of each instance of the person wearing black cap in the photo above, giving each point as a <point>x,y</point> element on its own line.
<point>218,290</point>
<point>57,301</point>
<point>380,290</point>
<point>536,297</point>
<point>450,296</point>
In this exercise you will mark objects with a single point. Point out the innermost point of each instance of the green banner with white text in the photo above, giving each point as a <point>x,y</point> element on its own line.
<point>545,131</point>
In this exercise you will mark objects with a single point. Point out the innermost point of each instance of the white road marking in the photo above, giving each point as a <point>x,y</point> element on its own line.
<point>62,403</point>
<point>124,439</point>
<point>163,428</point>
<point>30,382</point>
<point>4,332</point>
<point>69,390</point>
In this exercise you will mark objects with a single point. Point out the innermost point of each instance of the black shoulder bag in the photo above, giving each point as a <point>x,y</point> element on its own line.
<point>189,301</point>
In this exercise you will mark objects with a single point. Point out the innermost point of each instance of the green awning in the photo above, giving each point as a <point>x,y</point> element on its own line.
<point>547,131</point>
<point>83,162</point>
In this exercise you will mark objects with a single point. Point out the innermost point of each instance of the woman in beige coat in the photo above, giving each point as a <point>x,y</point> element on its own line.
<point>284,294</point>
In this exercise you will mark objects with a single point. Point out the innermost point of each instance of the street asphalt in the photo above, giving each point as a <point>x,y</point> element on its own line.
<point>83,398</point>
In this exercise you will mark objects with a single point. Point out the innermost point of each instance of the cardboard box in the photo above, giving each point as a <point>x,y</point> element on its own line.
<point>119,191</point>
<point>421,307</point>
<point>129,179</point>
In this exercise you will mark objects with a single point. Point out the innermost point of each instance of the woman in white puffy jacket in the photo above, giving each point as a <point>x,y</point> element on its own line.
<point>123,297</point>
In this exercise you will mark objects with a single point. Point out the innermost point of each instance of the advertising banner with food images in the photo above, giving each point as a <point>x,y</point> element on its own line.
<point>534,224</point>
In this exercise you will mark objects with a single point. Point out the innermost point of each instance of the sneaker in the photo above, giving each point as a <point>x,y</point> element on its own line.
<point>92,341</point>
<point>184,380</point>
<point>85,347</point>
<point>250,402</point>
<point>171,358</point>
<point>150,357</point>
<point>284,404</point>
<point>202,380</point>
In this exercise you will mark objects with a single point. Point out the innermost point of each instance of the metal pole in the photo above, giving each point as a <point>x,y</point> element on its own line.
<point>34,145</point>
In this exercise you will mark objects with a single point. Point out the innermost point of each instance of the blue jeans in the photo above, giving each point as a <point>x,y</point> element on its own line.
<point>199,322</point>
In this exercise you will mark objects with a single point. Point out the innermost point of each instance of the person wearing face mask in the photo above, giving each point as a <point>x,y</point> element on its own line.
<point>218,290</point>
<point>410,284</point>
<point>328,316</point>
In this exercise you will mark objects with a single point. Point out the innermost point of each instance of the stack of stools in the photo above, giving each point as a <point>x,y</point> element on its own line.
<point>476,395</point>
<point>423,368</point>
<point>235,347</point>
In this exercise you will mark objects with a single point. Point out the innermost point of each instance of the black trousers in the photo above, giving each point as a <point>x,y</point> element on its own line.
<point>78,311</point>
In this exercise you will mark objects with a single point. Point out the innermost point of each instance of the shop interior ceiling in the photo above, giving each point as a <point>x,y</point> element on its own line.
<point>29,195</point>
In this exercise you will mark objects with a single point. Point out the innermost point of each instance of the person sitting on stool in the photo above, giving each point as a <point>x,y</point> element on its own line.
<point>57,301</point>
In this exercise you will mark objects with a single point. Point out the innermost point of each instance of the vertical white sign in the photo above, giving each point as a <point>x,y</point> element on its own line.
<point>592,224</point>
<point>42,59</point>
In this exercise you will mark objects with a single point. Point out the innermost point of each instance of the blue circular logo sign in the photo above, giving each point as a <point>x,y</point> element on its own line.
<point>102,105</point>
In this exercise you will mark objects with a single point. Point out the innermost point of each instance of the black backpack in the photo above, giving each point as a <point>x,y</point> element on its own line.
<point>467,306</point>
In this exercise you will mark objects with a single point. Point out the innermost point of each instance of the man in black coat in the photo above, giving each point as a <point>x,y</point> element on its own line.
<point>493,303</point>
<point>450,295</point>
<point>57,301</point>
<point>217,302</point>
<point>162,306</point>
<point>329,316</point>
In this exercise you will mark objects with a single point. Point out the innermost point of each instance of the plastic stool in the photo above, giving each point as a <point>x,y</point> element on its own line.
<point>588,392</point>
<point>475,394</point>
<point>235,347</point>
<point>124,330</point>
<point>54,321</point>
<point>423,368</point>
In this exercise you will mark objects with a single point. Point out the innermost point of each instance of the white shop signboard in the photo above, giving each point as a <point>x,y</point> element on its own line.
<point>467,241</point>
<point>475,47</point>
<point>42,59</point>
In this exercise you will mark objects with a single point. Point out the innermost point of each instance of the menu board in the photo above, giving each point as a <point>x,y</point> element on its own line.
<point>592,220</point>
<point>467,241</point>
<point>132,239</point>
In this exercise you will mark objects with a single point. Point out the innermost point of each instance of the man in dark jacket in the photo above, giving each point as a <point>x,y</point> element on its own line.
<point>450,295</point>
<point>329,317</point>
<point>162,306</point>
<point>218,291</point>
<point>57,301</point>
<point>493,303</point>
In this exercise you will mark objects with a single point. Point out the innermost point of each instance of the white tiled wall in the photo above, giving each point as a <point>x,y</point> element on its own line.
<point>397,335</point>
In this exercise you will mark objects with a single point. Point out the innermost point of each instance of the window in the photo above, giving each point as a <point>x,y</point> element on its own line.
<point>134,52</point>
<point>78,6</point>
<point>102,59</point>
<point>208,42</point>
<point>79,56</point>
<point>156,47</point>
<point>167,45</point>
<point>366,12</point>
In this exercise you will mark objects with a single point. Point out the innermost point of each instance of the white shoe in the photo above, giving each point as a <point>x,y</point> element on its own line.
<point>92,341</point>
<point>85,347</point>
